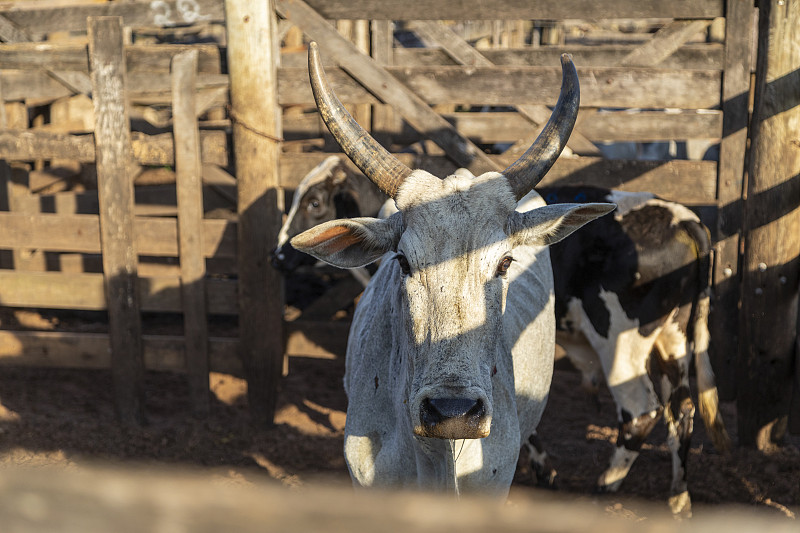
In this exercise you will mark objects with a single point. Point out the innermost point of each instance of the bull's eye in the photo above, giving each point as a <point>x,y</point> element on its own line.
<point>313,204</point>
<point>404,266</point>
<point>502,268</point>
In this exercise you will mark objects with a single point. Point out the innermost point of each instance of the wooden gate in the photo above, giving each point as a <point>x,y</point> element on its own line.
<point>478,82</point>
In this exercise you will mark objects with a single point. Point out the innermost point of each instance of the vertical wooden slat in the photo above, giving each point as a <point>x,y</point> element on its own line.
<point>724,320</point>
<point>772,220</point>
<point>15,183</point>
<point>188,176</point>
<point>252,63</point>
<point>384,123</point>
<point>115,192</point>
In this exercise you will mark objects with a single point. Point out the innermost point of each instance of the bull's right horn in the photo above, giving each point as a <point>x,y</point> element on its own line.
<point>531,167</point>
<point>381,167</point>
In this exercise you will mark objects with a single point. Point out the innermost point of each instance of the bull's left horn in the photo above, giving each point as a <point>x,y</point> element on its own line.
<point>530,168</point>
<point>384,169</point>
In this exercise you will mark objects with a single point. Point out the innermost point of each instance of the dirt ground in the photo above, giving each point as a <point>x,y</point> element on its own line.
<point>66,418</point>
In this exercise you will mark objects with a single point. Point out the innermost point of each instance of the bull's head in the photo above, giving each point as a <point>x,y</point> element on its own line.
<point>458,244</point>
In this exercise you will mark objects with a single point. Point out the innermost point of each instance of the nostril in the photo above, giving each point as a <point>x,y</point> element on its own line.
<point>477,410</point>
<point>435,410</point>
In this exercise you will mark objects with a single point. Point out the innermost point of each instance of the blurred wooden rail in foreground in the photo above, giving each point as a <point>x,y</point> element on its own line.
<point>127,500</point>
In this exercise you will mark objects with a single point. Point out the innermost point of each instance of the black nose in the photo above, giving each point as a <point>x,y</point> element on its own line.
<point>455,418</point>
<point>276,258</point>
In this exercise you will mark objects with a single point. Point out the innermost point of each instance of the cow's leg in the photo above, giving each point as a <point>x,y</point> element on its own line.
<point>672,371</point>
<point>638,407</point>
<point>584,358</point>
<point>632,433</point>
<point>540,462</point>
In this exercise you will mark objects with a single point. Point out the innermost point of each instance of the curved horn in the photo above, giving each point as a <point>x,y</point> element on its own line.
<point>381,167</point>
<point>530,168</point>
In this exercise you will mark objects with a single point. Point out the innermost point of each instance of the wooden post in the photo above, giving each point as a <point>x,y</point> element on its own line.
<point>115,194</point>
<point>724,320</point>
<point>253,55</point>
<point>188,177</point>
<point>381,41</point>
<point>772,218</point>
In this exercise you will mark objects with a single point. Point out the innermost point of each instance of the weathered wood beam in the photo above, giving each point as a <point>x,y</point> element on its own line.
<point>772,221</point>
<point>724,321</point>
<point>705,56</point>
<point>664,43</point>
<point>517,9</point>
<point>600,86</point>
<point>22,145</point>
<point>164,13</point>
<point>115,191</point>
<point>253,56</point>
<point>189,184</point>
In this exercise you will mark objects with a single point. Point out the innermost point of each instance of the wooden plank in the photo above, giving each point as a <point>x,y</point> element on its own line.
<point>91,350</point>
<point>503,127</point>
<point>74,57</point>
<point>772,244</point>
<point>305,338</point>
<point>689,182</point>
<point>384,122</point>
<point>664,43</point>
<point>516,9</point>
<point>724,322</point>
<point>188,174</point>
<point>155,150</point>
<point>177,12</point>
<point>253,55</point>
<point>705,56</point>
<point>85,291</point>
<point>600,87</point>
<point>115,191</point>
<point>465,54</point>
<point>165,13</point>
<point>75,81</point>
<point>81,233</point>
<point>145,87</point>
<point>379,82</point>
<point>22,202</point>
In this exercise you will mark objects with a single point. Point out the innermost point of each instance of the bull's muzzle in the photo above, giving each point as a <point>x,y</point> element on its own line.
<point>453,418</point>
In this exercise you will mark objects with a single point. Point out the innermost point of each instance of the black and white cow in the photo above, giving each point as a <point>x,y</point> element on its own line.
<point>632,303</point>
<point>329,191</point>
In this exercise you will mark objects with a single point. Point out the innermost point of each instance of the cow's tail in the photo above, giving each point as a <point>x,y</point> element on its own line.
<point>700,336</point>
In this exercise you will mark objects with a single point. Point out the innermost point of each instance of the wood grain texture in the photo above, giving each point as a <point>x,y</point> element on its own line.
<point>188,176</point>
<point>115,192</point>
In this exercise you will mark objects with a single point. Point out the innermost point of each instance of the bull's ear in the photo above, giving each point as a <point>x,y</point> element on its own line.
<point>352,242</point>
<point>551,223</point>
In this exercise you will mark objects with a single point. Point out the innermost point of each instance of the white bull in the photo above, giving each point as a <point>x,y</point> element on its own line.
<point>450,353</point>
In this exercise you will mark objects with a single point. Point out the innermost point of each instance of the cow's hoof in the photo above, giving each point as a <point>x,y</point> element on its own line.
<point>545,478</point>
<point>681,505</point>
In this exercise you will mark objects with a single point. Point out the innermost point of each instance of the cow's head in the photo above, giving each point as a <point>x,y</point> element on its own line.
<point>454,242</point>
<point>322,195</point>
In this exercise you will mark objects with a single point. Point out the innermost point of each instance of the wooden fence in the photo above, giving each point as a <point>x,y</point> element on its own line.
<point>684,76</point>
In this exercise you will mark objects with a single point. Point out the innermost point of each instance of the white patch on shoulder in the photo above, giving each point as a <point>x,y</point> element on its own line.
<point>628,201</point>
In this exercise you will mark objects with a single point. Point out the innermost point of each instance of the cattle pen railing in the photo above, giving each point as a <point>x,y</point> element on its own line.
<point>230,103</point>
